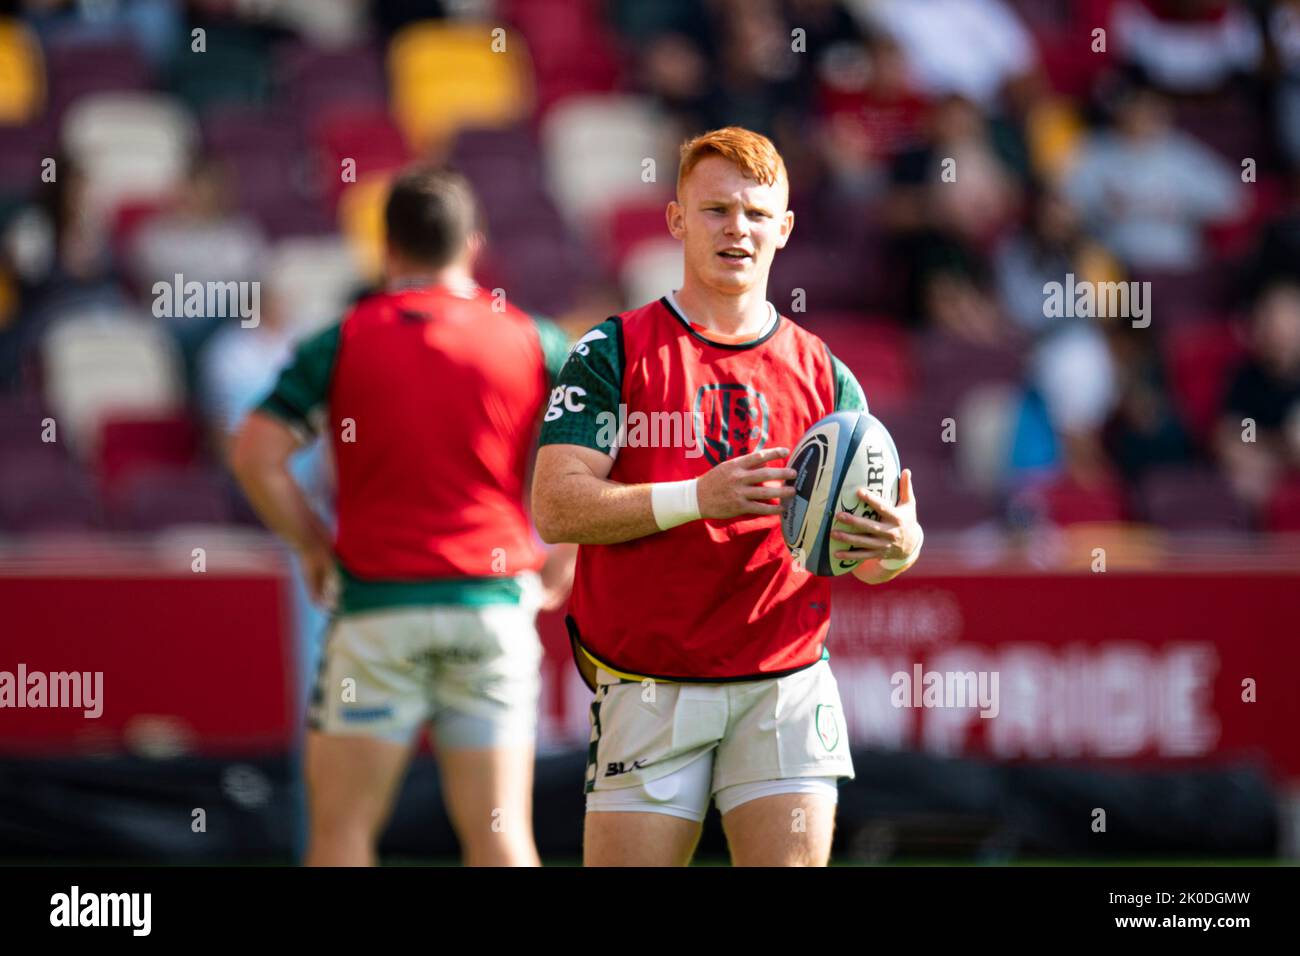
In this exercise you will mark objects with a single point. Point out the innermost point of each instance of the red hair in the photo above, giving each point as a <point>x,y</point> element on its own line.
<point>752,153</point>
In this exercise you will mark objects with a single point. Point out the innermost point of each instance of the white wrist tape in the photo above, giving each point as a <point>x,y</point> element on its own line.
<point>893,564</point>
<point>674,502</point>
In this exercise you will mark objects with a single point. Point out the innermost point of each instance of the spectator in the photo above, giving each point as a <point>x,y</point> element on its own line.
<point>1144,429</point>
<point>1053,246</point>
<point>1284,38</point>
<point>973,48</point>
<point>870,113</point>
<point>1147,189</point>
<point>1264,398</point>
<point>1187,46</point>
<point>199,236</point>
<point>952,201</point>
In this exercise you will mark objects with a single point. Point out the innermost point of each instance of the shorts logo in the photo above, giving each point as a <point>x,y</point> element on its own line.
<point>614,769</point>
<point>827,727</point>
<point>366,713</point>
<point>731,421</point>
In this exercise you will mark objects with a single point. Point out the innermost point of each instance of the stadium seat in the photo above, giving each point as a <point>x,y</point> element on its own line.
<point>571,50</point>
<point>315,278</point>
<point>594,149</point>
<point>154,499</point>
<point>313,78</point>
<point>99,365</point>
<point>261,179</point>
<point>361,219</point>
<point>878,352</point>
<point>944,501</point>
<point>1282,512</point>
<point>831,276</point>
<point>444,77</point>
<point>364,135</point>
<point>505,169</point>
<point>21,429</point>
<point>537,273</point>
<point>79,70</point>
<point>234,68</point>
<point>950,367</point>
<point>295,216</point>
<point>22,74</point>
<point>129,145</point>
<point>1064,500</point>
<point>130,445</point>
<point>651,269</point>
<point>22,148</point>
<point>1188,498</point>
<point>1199,358</point>
<point>40,493</point>
<point>630,224</point>
<point>1179,298</point>
<point>232,129</point>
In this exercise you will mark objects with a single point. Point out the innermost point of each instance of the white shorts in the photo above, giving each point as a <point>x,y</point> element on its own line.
<point>668,748</point>
<point>473,673</point>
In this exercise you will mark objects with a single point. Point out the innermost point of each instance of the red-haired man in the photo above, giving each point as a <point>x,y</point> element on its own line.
<point>702,639</point>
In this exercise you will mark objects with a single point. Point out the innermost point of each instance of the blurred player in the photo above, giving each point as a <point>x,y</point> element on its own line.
<point>431,392</point>
<point>702,639</point>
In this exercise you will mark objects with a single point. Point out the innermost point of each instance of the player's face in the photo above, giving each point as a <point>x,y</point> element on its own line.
<point>730,226</point>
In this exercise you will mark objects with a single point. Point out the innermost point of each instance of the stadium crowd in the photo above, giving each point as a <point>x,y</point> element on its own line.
<point>950,160</point>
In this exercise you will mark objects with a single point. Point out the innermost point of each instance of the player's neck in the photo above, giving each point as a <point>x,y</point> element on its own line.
<point>452,277</point>
<point>729,314</point>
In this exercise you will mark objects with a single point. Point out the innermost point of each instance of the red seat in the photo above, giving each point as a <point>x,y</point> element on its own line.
<point>1192,498</point>
<point>632,223</point>
<point>154,499</point>
<point>367,136</point>
<point>876,351</point>
<point>1282,513</point>
<point>130,445</point>
<point>1065,501</point>
<point>1199,358</point>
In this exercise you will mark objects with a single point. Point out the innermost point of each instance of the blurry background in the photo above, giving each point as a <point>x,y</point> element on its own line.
<point>1108,508</point>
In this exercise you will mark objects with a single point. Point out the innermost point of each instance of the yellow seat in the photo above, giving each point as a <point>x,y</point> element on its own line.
<point>361,220</point>
<point>22,74</point>
<point>1054,130</point>
<point>445,77</point>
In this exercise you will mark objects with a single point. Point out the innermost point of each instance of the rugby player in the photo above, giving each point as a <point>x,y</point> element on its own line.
<point>431,393</point>
<point>703,640</point>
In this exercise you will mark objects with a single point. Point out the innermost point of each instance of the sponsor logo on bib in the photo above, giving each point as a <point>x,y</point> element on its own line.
<point>731,420</point>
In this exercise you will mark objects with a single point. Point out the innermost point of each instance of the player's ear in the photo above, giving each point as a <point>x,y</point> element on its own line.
<point>474,245</point>
<point>787,224</point>
<point>675,216</point>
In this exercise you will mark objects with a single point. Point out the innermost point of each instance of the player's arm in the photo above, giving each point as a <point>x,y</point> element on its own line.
<point>265,442</point>
<point>260,461</point>
<point>573,498</point>
<point>889,546</point>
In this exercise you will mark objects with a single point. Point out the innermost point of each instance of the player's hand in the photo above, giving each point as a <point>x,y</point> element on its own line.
<point>321,574</point>
<point>736,487</point>
<point>896,533</point>
<point>557,576</point>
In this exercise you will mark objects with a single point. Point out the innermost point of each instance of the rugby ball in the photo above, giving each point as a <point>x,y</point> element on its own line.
<point>839,454</point>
